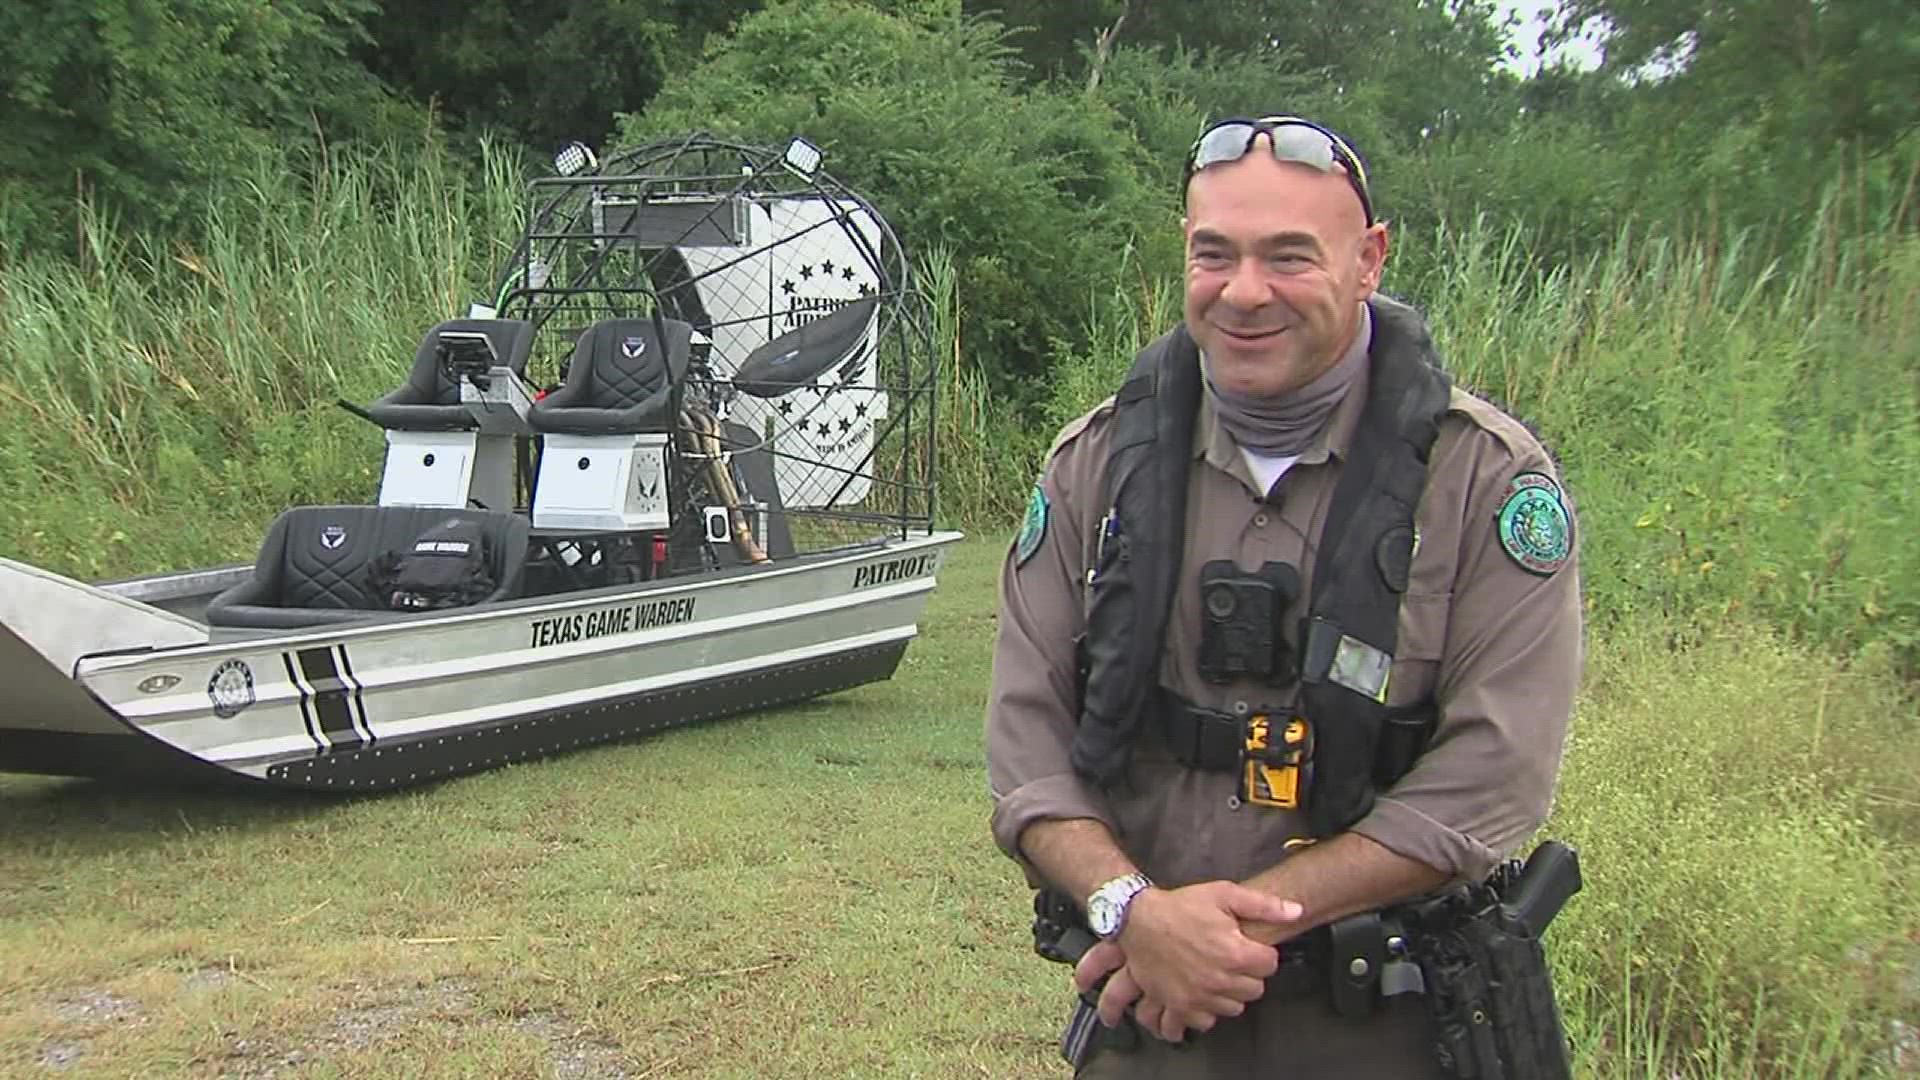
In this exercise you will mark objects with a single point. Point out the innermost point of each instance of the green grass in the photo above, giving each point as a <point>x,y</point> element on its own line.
<point>809,892</point>
<point>813,892</point>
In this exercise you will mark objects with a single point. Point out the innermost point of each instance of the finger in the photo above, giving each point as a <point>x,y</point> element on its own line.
<point>1257,961</point>
<point>1097,964</point>
<point>1147,1014</point>
<point>1121,992</point>
<point>1222,1008</point>
<point>1253,904</point>
<point>1200,1020</point>
<point>1215,1005</point>
<point>1170,1027</point>
<point>1240,988</point>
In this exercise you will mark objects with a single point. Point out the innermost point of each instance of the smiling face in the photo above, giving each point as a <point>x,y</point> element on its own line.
<point>1279,260</point>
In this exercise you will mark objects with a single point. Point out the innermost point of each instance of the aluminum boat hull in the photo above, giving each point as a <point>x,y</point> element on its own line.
<point>119,681</point>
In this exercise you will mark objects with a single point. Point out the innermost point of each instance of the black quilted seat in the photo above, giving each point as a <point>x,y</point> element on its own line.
<point>620,380</point>
<point>312,567</point>
<point>797,357</point>
<point>430,399</point>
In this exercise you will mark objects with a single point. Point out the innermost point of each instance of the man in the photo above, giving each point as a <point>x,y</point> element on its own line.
<point>1236,700</point>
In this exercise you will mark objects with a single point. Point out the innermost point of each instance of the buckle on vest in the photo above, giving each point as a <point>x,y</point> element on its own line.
<point>1276,764</point>
<point>1201,738</point>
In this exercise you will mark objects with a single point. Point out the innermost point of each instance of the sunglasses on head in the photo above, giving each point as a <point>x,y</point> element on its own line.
<point>1301,141</point>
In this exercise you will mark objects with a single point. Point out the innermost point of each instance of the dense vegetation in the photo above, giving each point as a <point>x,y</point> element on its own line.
<point>1695,270</point>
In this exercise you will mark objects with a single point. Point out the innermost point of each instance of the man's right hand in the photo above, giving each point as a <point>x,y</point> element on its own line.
<point>1186,959</point>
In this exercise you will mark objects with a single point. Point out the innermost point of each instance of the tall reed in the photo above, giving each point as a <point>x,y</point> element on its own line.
<point>178,396</point>
<point>1742,434</point>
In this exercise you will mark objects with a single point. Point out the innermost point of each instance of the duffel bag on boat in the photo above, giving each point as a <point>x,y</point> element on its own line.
<point>446,567</point>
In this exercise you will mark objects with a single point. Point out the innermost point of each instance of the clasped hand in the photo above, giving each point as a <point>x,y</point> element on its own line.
<point>1182,960</point>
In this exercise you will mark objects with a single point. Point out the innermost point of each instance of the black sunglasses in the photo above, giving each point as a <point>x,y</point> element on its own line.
<point>1294,139</point>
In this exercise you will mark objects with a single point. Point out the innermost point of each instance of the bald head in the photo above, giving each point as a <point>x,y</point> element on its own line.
<point>1279,258</point>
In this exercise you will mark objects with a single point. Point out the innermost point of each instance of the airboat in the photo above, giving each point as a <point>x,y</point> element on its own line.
<point>679,464</point>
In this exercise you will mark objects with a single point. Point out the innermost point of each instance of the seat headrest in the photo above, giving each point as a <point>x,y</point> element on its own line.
<point>628,360</point>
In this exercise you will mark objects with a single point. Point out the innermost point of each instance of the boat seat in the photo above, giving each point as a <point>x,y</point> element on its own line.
<point>797,357</point>
<point>313,566</point>
<point>430,398</point>
<point>620,380</point>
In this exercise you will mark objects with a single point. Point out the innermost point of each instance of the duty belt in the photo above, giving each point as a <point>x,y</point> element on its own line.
<point>1303,965</point>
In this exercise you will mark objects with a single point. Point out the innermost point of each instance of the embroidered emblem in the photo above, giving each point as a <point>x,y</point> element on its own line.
<point>633,348</point>
<point>332,536</point>
<point>1534,526</point>
<point>230,688</point>
<point>1033,528</point>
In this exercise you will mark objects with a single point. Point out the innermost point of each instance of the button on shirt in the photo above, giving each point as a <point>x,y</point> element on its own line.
<point>1498,646</point>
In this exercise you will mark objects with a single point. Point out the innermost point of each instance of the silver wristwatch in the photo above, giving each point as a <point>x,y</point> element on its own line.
<point>1107,907</point>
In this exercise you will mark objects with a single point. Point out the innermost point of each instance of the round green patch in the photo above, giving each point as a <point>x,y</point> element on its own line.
<point>1033,528</point>
<point>1534,526</point>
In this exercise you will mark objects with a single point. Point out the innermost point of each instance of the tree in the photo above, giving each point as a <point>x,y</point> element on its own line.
<point>1419,65</point>
<point>1036,189</point>
<point>1813,72</point>
<point>140,105</point>
<point>548,73</point>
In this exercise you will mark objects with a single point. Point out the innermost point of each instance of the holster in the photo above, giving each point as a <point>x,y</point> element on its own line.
<point>1062,935</point>
<point>1487,983</point>
<point>1491,998</point>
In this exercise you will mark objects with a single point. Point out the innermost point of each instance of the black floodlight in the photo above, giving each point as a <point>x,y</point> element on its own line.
<point>573,158</point>
<point>802,157</point>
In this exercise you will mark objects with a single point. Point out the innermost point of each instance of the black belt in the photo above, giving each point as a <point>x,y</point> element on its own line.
<point>1303,965</point>
<point>1201,738</point>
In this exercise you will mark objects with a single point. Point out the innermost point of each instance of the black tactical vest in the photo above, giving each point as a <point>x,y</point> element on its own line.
<point>1353,612</point>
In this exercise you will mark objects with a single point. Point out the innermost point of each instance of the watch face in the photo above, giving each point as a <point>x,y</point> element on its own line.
<point>1103,916</point>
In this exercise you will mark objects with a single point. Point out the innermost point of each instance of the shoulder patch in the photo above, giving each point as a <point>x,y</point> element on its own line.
<point>1033,527</point>
<point>1535,528</point>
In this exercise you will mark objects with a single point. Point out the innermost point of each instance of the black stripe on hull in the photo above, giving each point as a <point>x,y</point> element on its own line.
<point>332,699</point>
<point>306,700</point>
<point>418,760</point>
<point>359,699</point>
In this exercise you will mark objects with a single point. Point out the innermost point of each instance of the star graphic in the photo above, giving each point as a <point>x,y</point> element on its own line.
<point>824,430</point>
<point>826,268</point>
<point>847,272</point>
<point>866,289</point>
<point>806,272</point>
<point>846,424</point>
<point>787,286</point>
<point>786,408</point>
<point>860,410</point>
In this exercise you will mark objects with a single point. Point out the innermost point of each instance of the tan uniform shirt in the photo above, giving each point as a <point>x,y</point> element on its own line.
<point>1497,645</point>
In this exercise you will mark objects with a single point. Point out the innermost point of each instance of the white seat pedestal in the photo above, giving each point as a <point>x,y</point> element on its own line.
<point>608,482</point>
<point>448,468</point>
